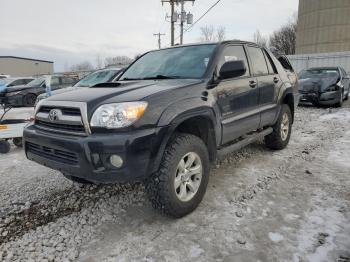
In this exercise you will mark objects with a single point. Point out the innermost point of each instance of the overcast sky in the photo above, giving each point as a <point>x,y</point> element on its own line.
<point>71,31</point>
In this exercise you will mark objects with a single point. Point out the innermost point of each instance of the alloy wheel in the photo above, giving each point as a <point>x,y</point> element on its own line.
<point>285,127</point>
<point>188,177</point>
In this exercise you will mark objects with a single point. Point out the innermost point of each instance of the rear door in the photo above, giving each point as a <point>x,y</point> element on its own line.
<point>237,98</point>
<point>269,83</point>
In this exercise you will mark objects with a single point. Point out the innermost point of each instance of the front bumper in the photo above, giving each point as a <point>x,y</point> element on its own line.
<point>326,98</point>
<point>16,100</point>
<point>88,157</point>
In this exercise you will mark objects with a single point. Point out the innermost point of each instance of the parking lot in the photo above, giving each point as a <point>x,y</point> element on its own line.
<point>290,205</point>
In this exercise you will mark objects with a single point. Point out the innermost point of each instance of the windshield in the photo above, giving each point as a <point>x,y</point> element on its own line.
<point>96,78</point>
<point>180,62</point>
<point>36,82</point>
<point>319,73</point>
<point>4,81</point>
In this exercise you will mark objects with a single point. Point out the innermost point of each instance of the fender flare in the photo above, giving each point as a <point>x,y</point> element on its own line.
<point>170,122</point>
<point>289,91</point>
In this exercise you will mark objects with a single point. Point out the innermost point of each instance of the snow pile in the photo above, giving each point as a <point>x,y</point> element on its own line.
<point>342,115</point>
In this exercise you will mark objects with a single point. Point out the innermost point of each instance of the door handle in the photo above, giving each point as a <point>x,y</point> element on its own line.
<point>276,80</point>
<point>253,84</point>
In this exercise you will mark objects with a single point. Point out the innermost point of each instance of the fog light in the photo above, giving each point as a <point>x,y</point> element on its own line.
<point>116,161</point>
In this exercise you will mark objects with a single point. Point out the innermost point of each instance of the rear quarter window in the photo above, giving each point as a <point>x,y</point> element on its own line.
<point>259,65</point>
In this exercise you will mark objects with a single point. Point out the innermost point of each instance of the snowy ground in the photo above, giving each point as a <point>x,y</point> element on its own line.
<point>291,205</point>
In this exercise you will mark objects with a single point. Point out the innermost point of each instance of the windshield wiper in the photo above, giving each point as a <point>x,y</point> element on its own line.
<point>160,77</point>
<point>130,79</point>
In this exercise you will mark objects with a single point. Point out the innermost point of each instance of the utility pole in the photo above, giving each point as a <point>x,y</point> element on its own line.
<point>159,39</point>
<point>183,19</point>
<point>173,20</point>
<point>174,17</point>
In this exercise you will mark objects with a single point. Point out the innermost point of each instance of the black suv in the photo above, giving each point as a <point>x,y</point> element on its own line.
<point>170,114</point>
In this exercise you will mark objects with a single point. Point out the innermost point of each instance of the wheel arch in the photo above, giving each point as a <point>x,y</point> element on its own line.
<point>200,122</point>
<point>288,99</point>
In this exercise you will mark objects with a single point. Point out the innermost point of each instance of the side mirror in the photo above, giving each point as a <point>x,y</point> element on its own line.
<point>232,69</point>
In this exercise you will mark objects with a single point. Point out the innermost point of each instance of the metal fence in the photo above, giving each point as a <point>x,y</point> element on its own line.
<point>301,62</point>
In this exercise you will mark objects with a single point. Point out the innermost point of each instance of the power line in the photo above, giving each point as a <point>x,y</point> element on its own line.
<point>201,17</point>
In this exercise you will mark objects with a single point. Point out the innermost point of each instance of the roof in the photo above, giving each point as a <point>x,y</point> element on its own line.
<point>24,58</point>
<point>237,42</point>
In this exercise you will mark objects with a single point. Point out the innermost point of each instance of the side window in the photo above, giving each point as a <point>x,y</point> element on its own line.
<point>232,53</point>
<point>67,80</point>
<point>270,65</point>
<point>26,81</point>
<point>55,81</point>
<point>258,61</point>
<point>17,82</point>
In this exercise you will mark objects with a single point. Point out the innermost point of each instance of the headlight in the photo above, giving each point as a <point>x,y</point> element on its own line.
<point>118,115</point>
<point>332,88</point>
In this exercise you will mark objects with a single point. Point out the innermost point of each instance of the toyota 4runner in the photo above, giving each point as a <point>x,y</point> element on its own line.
<point>166,118</point>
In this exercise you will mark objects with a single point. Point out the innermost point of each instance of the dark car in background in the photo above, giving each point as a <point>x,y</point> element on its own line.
<point>26,95</point>
<point>94,78</point>
<point>14,81</point>
<point>324,86</point>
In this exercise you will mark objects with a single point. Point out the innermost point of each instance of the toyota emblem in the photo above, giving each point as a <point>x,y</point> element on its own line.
<point>54,115</point>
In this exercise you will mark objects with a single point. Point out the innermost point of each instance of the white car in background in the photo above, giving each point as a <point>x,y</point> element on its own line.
<point>94,78</point>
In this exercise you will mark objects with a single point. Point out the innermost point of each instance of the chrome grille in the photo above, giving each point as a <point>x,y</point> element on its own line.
<point>66,119</point>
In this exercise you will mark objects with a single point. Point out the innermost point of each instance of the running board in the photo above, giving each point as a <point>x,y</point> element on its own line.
<point>246,141</point>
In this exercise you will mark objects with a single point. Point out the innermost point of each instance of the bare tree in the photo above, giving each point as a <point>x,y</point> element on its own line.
<point>211,34</point>
<point>283,41</point>
<point>207,33</point>
<point>260,39</point>
<point>118,61</point>
<point>83,66</point>
<point>220,33</point>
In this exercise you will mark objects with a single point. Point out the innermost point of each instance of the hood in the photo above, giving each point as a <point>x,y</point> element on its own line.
<point>317,84</point>
<point>61,91</point>
<point>124,91</point>
<point>16,88</point>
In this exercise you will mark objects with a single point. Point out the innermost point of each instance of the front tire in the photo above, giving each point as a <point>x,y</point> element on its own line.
<point>5,147</point>
<point>282,130</point>
<point>179,185</point>
<point>17,141</point>
<point>340,103</point>
<point>29,100</point>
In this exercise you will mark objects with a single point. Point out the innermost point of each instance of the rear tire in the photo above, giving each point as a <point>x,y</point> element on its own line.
<point>17,141</point>
<point>347,95</point>
<point>78,180</point>
<point>29,100</point>
<point>5,147</point>
<point>282,130</point>
<point>179,185</point>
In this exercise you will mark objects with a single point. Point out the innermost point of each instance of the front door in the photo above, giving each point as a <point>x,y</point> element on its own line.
<point>238,98</point>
